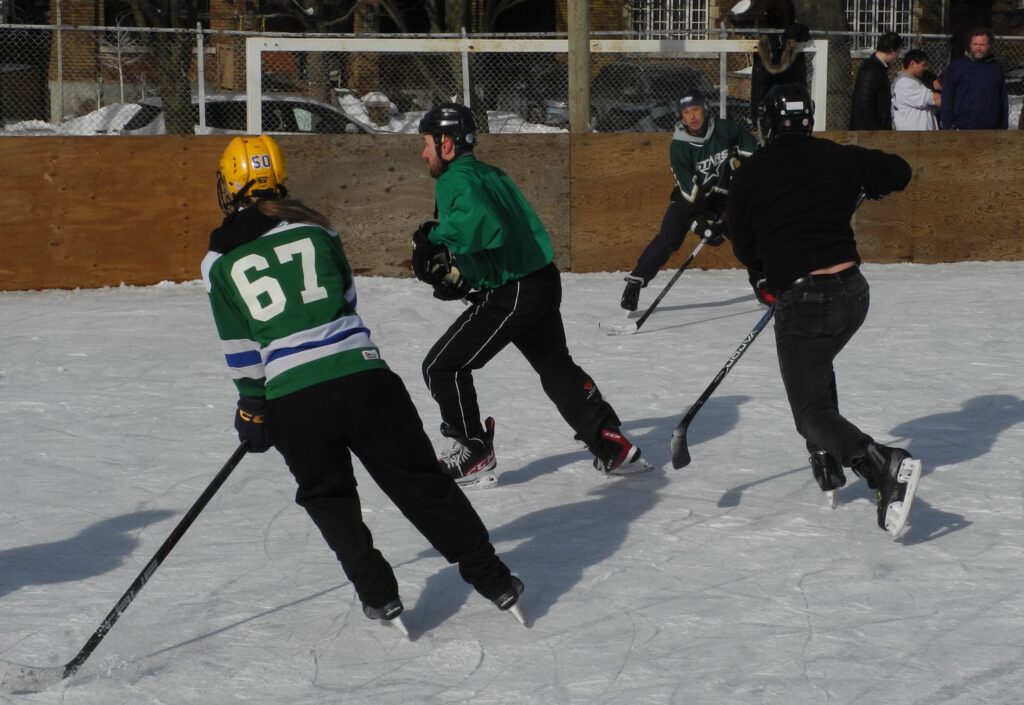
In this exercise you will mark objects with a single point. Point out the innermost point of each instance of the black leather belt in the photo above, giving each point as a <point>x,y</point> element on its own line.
<point>812,278</point>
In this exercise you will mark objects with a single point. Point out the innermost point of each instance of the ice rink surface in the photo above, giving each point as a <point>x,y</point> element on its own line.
<point>725,583</point>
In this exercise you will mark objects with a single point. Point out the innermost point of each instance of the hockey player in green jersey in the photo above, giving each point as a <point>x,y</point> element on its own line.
<point>702,155</point>
<point>313,385</point>
<point>498,247</point>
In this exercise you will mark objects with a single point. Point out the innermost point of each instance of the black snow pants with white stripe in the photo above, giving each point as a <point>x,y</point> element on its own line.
<point>525,313</point>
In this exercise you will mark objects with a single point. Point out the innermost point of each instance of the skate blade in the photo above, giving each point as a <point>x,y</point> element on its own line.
<point>831,499</point>
<point>478,481</point>
<point>517,611</point>
<point>634,468</point>
<point>397,624</point>
<point>896,513</point>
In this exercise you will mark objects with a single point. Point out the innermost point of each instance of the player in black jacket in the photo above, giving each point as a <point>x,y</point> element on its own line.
<point>789,215</point>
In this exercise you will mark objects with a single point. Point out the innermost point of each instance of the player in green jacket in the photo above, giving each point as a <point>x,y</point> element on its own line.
<point>703,153</point>
<point>313,384</point>
<point>489,239</point>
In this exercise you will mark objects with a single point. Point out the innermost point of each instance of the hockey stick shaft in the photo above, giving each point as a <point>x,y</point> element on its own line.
<point>32,678</point>
<point>679,272</point>
<point>680,452</point>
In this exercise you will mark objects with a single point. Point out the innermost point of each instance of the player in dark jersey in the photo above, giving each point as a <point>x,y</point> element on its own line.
<point>789,216</point>
<point>702,156</point>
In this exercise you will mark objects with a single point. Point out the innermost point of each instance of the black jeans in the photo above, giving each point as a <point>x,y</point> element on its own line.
<point>525,313</point>
<point>813,323</point>
<point>369,414</point>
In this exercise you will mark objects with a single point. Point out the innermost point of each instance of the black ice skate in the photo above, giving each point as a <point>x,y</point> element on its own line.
<point>389,615</point>
<point>508,601</point>
<point>615,455</point>
<point>828,472</point>
<point>470,462</point>
<point>897,476</point>
<point>631,294</point>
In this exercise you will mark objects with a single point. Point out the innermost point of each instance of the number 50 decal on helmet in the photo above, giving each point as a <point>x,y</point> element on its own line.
<point>250,167</point>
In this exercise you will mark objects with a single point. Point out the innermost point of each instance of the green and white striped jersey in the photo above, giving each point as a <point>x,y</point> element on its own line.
<point>285,308</point>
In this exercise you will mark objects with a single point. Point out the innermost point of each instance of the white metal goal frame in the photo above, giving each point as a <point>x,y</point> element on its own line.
<point>255,47</point>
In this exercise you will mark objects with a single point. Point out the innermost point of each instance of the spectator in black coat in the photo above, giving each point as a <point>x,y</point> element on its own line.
<point>872,96</point>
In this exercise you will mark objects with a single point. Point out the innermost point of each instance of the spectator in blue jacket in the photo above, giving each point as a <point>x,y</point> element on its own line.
<point>974,88</point>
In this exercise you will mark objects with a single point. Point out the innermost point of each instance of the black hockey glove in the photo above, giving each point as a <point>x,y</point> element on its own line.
<point>760,285</point>
<point>430,262</point>
<point>249,422</point>
<point>452,287</point>
<point>709,227</point>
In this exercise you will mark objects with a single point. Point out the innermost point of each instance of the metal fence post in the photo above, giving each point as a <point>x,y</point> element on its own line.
<point>200,78</point>
<point>466,92</point>
<point>723,75</point>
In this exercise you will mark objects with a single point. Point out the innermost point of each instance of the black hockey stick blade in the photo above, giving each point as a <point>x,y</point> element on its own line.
<point>17,678</point>
<point>680,451</point>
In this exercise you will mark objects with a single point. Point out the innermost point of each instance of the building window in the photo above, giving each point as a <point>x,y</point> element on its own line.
<point>664,19</point>
<point>871,18</point>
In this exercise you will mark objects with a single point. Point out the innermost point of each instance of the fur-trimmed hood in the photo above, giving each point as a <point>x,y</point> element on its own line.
<point>784,59</point>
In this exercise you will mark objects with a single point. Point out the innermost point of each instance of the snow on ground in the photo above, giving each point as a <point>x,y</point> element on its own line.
<point>727,582</point>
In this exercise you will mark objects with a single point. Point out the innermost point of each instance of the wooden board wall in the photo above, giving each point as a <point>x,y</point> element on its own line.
<point>963,203</point>
<point>99,211</point>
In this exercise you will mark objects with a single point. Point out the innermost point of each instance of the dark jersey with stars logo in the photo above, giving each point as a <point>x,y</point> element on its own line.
<point>701,163</point>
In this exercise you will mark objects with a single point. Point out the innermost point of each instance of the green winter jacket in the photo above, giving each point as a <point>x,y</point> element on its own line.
<point>487,223</point>
<point>701,163</point>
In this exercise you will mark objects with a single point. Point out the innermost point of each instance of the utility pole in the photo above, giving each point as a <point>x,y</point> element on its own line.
<point>579,66</point>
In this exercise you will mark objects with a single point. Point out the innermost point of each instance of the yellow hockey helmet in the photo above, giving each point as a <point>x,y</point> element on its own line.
<point>250,167</point>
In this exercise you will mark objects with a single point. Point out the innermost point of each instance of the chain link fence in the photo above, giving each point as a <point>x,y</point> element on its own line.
<point>118,80</point>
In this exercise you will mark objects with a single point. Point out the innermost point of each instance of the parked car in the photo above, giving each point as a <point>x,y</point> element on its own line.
<point>539,95</point>
<point>641,97</point>
<point>226,114</point>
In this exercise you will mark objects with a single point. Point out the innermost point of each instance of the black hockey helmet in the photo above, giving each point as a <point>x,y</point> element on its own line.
<point>785,109</point>
<point>455,121</point>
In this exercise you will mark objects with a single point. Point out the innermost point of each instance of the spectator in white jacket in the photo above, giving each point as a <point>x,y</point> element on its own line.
<point>915,105</point>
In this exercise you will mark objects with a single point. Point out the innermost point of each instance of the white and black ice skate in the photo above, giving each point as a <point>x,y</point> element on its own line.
<point>509,601</point>
<point>390,615</point>
<point>828,473</point>
<point>900,475</point>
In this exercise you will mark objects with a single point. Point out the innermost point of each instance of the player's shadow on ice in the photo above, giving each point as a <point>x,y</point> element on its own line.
<point>663,307</point>
<point>653,325</point>
<point>556,545</point>
<point>954,437</point>
<point>95,550</point>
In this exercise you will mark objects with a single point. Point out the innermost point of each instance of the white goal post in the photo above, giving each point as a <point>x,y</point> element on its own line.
<point>255,47</point>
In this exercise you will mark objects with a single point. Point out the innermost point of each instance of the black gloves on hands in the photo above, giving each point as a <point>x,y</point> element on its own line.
<point>430,262</point>
<point>249,422</point>
<point>452,287</point>
<point>709,227</point>
<point>434,265</point>
<point>760,286</point>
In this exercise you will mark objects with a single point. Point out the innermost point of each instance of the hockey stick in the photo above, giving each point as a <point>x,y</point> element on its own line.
<point>634,327</point>
<point>16,678</point>
<point>680,453</point>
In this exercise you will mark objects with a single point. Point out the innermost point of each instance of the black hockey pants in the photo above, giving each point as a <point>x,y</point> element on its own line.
<point>525,313</point>
<point>813,323</point>
<point>370,414</point>
<point>675,224</point>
